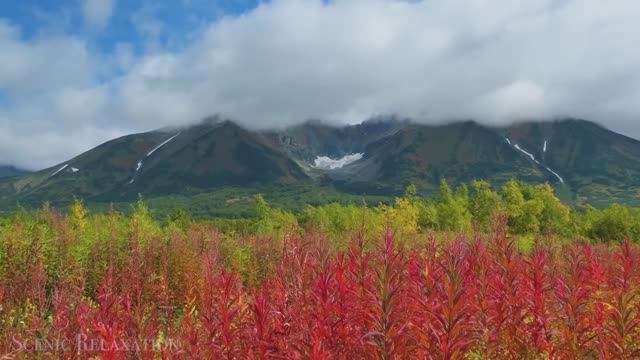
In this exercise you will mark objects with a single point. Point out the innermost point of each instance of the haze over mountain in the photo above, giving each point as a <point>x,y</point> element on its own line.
<point>583,160</point>
<point>9,170</point>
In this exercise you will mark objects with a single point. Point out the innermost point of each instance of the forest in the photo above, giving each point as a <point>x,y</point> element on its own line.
<point>470,273</point>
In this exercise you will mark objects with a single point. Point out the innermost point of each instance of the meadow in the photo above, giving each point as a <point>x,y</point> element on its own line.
<point>470,274</point>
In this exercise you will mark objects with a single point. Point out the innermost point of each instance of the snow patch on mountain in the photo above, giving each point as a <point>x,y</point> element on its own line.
<point>327,163</point>
<point>525,152</point>
<point>74,170</point>
<point>162,144</point>
<point>59,170</point>
<point>139,163</point>
<point>544,147</point>
<point>556,174</point>
<point>530,155</point>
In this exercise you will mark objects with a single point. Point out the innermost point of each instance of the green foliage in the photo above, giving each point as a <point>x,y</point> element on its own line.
<point>272,221</point>
<point>614,223</point>
<point>555,217</point>
<point>180,218</point>
<point>529,210</point>
<point>143,224</point>
<point>484,203</point>
<point>453,209</point>
<point>427,215</point>
<point>523,211</point>
<point>337,220</point>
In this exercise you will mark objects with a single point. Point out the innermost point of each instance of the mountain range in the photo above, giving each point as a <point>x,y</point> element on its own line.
<point>584,161</point>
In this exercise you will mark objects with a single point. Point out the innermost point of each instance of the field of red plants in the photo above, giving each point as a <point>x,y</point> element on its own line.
<point>299,298</point>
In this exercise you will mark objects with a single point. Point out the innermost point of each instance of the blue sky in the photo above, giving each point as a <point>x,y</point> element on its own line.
<point>134,22</point>
<point>76,73</point>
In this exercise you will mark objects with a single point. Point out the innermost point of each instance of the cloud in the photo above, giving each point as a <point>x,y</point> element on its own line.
<point>432,60</point>
<point>47,88</point>
<point>97,12</point>
<point>345,60</point>
<point>42,65</point>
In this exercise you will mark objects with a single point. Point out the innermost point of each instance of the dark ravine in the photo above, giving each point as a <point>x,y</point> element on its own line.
<point>583,160</point>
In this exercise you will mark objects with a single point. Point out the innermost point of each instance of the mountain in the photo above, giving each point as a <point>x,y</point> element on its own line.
<point>459,152</point>
<point>9,170</point>
<point>599,165</point>
<point>583,160</point>
<point>204,157</point>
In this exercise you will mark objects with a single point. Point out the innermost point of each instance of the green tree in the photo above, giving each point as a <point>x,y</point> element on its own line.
<point>522,213</point>
<point>143,225</point>
<point>555,216</point>
<point>483,204</point>
<point>614,223</point>
<point>453,212</point>
<point>427,214</point>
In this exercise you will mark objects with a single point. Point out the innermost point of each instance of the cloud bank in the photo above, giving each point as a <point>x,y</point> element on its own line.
<point>286,61</point>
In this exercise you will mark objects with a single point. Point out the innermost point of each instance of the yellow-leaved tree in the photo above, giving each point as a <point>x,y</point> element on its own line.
<point>403,215</point>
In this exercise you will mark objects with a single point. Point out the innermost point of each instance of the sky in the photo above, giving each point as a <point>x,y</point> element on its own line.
<point>76,73</point>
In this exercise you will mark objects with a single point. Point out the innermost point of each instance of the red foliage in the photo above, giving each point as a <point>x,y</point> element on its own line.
<point>446,299</point>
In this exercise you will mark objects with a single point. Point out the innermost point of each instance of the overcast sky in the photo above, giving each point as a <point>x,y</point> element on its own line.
<point>76,73</point>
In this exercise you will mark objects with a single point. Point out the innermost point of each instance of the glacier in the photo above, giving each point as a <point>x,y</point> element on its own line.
<point>327,163</point>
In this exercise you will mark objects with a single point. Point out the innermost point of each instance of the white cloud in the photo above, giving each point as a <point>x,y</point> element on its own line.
<point>41,65</point>
<point>515,101</point>
<point>97,12</point>
<point>289,60</point>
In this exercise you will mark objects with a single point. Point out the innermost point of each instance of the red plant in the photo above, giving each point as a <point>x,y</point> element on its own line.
<point>537,293</point>
<point>388,320</point>
<point>444,299</point>
<point>624,322</point>
<point>574,290</point>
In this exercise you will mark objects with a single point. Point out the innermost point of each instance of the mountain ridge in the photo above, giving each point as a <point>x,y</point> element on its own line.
<point>582,159</point>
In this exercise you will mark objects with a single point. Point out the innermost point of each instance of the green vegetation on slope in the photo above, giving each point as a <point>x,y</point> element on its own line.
<point>529,210</point>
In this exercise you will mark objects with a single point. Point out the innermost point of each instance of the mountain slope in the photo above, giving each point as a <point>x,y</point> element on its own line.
<point>423,155</point>
<point>98,171</point>
<point>212,155</point>
<point>200,158</point>
<point>598,164</point>
<point>587,162</point>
